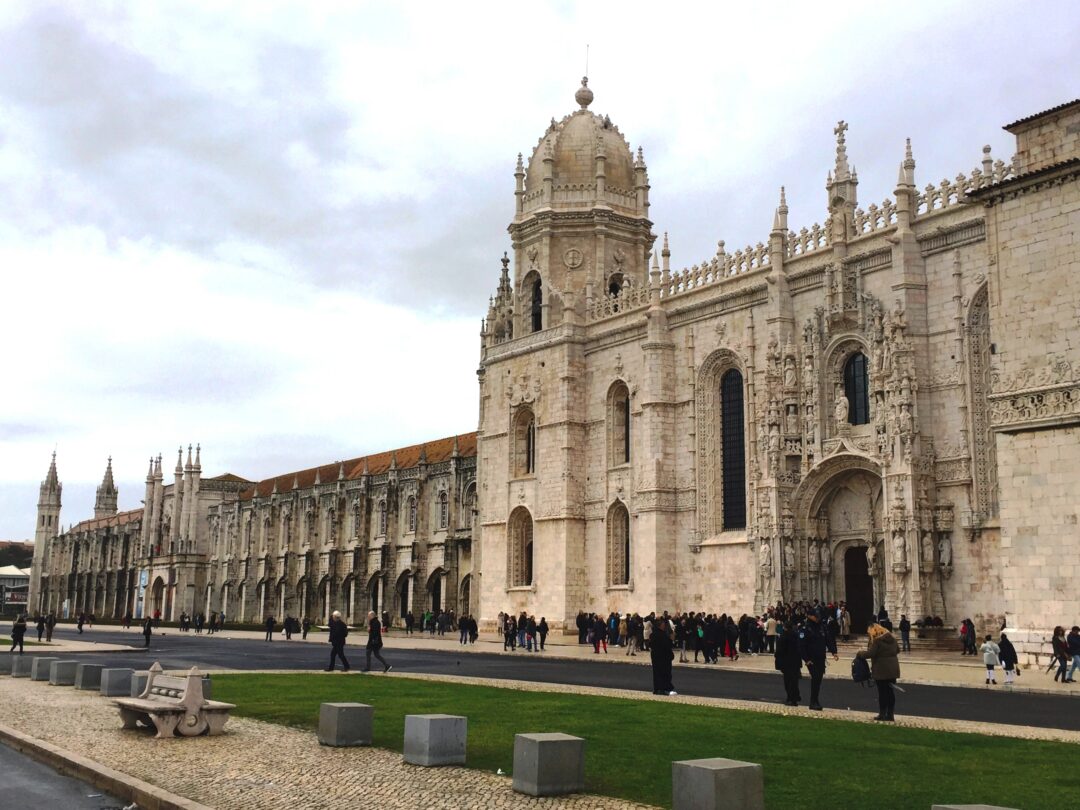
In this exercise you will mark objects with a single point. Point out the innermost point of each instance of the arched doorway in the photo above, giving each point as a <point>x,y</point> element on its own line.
<point>464,603</point>
<point>404,585</point>
<point>858,588</point>
<point>157,598</point>
<point>435,590</point>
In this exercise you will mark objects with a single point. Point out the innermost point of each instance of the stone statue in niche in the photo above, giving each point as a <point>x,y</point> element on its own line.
<point>792,419</point>
<point>927,547</point>
<point>906,422</point>
<point>789,373</point>
<point>871,559</point>
<point>899,553</point>
<point>808,375</point>
<point>841,408</point>
<point>945,550</point>
<point>826,558</point>
<point>765,565</point>
<point>789,556</point>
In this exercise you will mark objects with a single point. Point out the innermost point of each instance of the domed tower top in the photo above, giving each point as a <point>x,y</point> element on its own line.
<point>583,161</point>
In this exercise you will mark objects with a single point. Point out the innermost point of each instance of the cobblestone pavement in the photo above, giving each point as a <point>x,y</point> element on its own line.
<point>259,766</point>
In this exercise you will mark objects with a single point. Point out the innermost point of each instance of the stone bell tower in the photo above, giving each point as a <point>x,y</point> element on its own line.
<point>581,228</point>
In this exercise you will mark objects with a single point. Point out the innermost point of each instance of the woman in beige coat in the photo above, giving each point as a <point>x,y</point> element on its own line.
<point>883,653</point>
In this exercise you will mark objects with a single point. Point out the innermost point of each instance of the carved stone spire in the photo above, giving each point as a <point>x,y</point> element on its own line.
<point>584,95</point>
<point>105,505</point>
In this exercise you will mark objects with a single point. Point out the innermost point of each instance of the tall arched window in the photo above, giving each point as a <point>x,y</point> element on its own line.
<point>412,513</point>
<point>619,424</point>
<point>519,558</point>
<point>857,389</point>
<point>536,309</point>
<point>382,517</point>
<point>733,450</point>
<point>469,507</point>
<point>618,537</point>
<point>444,510</point>
<point>982,447</point>
<point>524,460</point>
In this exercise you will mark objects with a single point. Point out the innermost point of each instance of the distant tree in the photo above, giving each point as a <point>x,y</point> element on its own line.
<point>18,554</point>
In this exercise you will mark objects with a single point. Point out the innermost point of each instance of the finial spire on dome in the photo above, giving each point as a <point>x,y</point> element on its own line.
<point>584,95</point>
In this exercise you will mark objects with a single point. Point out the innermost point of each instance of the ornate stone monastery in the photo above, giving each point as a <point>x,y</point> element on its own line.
<point>882,408</point>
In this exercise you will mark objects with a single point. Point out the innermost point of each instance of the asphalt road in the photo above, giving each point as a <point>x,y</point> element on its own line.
<point>177,650</point>
<point>29,784</point>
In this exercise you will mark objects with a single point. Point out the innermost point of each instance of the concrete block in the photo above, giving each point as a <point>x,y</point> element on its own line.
<point>550,764</point>
<point>138,682</point>
<point>62,673</point>
<point>713,784</point>
<point>435,739</point>
<point>39,668</point>
<point>344,724</point>
<point>88,676</point>
<point>20,666</point>
<point>116,682</point>
<point>968,807</point>
<point>5,663</point>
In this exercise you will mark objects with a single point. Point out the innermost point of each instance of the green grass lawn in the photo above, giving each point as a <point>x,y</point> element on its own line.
<point>809,763</point>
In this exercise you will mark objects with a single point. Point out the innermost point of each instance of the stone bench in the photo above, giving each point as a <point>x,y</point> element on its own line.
<point>39,668</point>
<point>549,764</point>
<point>62,673</point>
<point>345,724</point>
<point>174,706</point>
<point>21,666</point>
<point>435,739</point>
<point>717,784</point>
<point>116,682</point>
<point>88,676</point>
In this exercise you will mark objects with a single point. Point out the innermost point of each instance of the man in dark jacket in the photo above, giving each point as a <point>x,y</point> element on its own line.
<point>269,628</point>
<point>814,642</point>
<point>374,642</point>
<point>1073,640</point>
<point>789,662</point>
<point>338,632</point>
<point>661,652</point>
<point>147,629</point>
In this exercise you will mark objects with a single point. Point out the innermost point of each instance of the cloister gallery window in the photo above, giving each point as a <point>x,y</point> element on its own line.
<point>619,424</point>
<point>444,510</point>
<point>857,389</point>
<point>733,452</point>
<point>382,517</point>
<point>524,443</point>
<point>536,307</point>
<point>520,548</point>
<point>618,542</point>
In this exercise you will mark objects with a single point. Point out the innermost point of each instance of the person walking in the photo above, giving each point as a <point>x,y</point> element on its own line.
<point>1008,658</point>
<point>50,623</point>
<point>287,627</point>
<point>990,652</point>
<point>338,631</point>
<point>883,653</point>
<point>39,622</point>
<point>1061,653</point>
<point>541,631</point>
<point>18,633</point>
<point>147,629</point>
<point>905,633</point>
<point>305,627</point>
<point>374,642</point>
<point>814,643</point>
<point>789,662</point>
<point>661,653</point>
<point>80,622</point>
<point>1073,642</point>
<point>269,624</point>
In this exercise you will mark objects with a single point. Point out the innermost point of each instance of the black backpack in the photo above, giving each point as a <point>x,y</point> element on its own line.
<point>860,671</point>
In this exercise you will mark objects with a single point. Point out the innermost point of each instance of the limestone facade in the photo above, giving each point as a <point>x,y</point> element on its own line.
<point>841,411</point>
<point>390,531</point>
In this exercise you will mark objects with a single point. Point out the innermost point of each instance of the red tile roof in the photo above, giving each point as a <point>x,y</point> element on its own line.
<point>405,457</point>
<point>120,519</point>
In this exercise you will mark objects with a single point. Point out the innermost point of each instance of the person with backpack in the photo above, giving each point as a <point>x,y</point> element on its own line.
<point>884,655</point>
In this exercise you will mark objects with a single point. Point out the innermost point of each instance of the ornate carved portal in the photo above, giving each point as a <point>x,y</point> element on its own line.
<point>982,439</point>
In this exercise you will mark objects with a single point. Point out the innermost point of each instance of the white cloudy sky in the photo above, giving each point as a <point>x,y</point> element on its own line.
<point>272,227</point>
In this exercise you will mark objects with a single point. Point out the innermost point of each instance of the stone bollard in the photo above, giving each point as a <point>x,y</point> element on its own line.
<point>20,666</point>
<point>138,682</point>
<point>39,668</point>
<point>88,676</point>
<point>968,807</point>
<point>713,784</point>
<point>5,664</point>
<point>435,739</point>
<point>62,673</point>
<point>116,682</point>
<point>344,724</point>
<point>549,764</point>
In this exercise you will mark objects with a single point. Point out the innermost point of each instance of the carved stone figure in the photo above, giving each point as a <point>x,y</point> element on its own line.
<point>906,422</point>
<point>808,375</point>
<point>765,559</point>
<point>945,550</point>
<point>826,558</point>
<point>927,547</point>
<point>899,550</point>
<point>871,559</point>
<point>789,556</point>
<point>841,408</point>
<point>789,373</point>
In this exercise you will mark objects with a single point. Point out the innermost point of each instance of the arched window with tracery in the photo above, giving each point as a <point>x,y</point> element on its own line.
<point>382,517</point>
<point>469,507</point>
<point>412,513</point>
<point>532,291</point>
<point>983,450</point>
<point>524,460</point>
<point>857,389</point>
<point>733,450</point>
<point>619,424</point>
<point>519,558</point>
<point>618,544</point>
<point>444,510</point>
